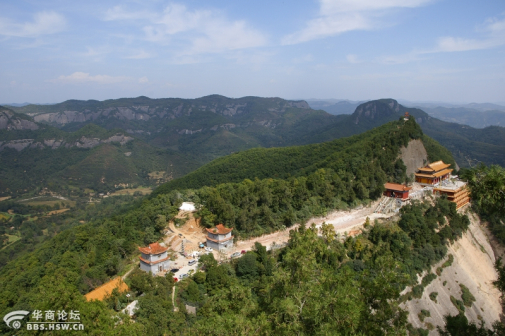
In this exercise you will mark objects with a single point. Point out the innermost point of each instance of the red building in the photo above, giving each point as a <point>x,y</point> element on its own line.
<point>397,190</point>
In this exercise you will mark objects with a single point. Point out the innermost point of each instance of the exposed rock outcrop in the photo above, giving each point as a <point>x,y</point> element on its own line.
<point>169,108</point>
<point>83,142</point>
<point>414,156</point>
<point>9,121</point>
<point>376,109</point>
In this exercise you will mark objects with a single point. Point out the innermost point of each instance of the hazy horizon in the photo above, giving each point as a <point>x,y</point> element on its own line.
<point>401,101</point>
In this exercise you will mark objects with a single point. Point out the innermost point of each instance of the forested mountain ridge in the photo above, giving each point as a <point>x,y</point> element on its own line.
<point>191,132</point>
<point>35,155</point>
<point>213,126</point>
<point>19,131</point>
<point>468,145</point>
<point>468,116</point>
<point>295,161</point>
<point>205,128</point>
<point>10,120</point>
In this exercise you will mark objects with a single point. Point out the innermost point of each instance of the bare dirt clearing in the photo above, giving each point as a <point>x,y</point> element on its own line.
<point>55,212</point>
<point>191,231</point>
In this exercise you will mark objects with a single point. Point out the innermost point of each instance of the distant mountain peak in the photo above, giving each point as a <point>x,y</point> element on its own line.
<point>376,109</point>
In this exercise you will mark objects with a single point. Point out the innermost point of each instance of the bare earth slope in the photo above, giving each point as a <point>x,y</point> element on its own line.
<point>473,267</point>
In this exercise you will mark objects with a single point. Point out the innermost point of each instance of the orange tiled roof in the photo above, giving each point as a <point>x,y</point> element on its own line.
<point>106,289</point>
<point>219,229</point>
<point>396,187</point>
<point>153,248</point>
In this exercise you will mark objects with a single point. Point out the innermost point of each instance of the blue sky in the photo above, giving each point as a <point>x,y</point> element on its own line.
<point>420,50</point>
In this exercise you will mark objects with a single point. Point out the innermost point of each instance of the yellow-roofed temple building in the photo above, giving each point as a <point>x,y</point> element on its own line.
<point>433,173</point>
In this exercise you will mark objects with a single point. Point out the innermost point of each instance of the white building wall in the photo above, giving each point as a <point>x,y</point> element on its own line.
<point>154,268</point>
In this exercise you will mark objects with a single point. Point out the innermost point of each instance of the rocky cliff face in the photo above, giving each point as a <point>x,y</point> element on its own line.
<point>9,121</point>
<point>83,142</point>
<point>145,109</point>
<point>383,110</point>
<point>473,267</point>
<point>414,156</point>
<point>376,109</point>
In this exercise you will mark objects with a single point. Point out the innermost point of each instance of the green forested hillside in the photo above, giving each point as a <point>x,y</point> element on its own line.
<point>351,286</point>
<point>381,144</point>
<point>360,279</point>
<point>193,132</point>
<point>206,127</point>
<point>468,145</point>
<point>35,156</point>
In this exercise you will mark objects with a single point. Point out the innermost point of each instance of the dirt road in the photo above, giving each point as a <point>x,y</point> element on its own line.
<point>342,221</point>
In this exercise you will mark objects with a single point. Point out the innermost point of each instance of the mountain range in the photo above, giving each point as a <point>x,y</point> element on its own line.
<point>468,116</point>
<point>102,143</point>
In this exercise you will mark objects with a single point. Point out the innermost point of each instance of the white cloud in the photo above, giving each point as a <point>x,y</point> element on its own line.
<point>143,80</point>
<point>43,23</point>
<point>353,59</point>
<point>329,7</point>
<point>493,29</point>
<point>340,16</point>
<point>198,31</point>
<point>84,77</point>
<point>140,55</point>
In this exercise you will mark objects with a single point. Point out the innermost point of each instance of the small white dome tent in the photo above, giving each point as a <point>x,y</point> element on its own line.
<point>188,206</point>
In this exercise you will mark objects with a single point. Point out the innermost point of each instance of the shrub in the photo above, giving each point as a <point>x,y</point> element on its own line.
<point>466,296</point>
<point>423,314</point>
<point>417,291</point>
<point>428,279</point>
<point>433,296</point>
<point>448,262</point>
<point>458,304</point>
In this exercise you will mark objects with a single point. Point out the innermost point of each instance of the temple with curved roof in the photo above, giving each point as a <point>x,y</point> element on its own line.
<point>433,173</point>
